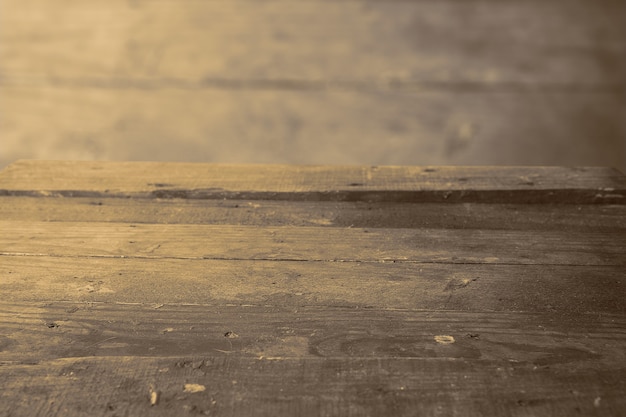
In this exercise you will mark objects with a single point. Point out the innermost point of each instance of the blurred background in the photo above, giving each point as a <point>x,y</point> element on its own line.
<point>399,82</point>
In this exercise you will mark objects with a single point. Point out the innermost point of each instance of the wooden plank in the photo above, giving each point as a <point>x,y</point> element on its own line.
<point>299,44</point>
<point>98,319</point>
<point>248,386</point>
<point>562,217</point>
<point>251,360</point>
<point>135,177</point>
<point>73,239</point>
<point>34,332</point>
<point>289,182</point>
<point>559,290</point>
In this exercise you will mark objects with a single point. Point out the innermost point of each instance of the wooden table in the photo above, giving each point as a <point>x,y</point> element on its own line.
<point>158,289</point>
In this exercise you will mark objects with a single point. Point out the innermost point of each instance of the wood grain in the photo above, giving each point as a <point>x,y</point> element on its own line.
<point>66,329</point>
<point>523,217</point>
<point>561,290</point>
<point>368,387</point>
<point>283,182</point>
<point>311,244</point>
<point>379,361</point>
<point>284,305</point>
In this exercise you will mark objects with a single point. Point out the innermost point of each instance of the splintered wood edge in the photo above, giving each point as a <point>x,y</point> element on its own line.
<point>314,183</point>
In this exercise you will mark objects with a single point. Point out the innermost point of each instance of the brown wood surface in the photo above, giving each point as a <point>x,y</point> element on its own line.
<point>128,302</point>
<point>286,243</point>
<point>294,183</point>
<point>555,288</point>
<point>104,359</point>
<point>522,217</point>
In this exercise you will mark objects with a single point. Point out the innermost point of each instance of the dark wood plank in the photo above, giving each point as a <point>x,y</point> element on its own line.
<point>254,360</point>
<point>561,217</point>
<point>561,290</point>
<point>43,331</point>
<point>305,387</point>
<point>290,182</point>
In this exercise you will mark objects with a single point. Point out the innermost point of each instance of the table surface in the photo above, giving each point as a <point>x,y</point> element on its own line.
<point>135,289</point>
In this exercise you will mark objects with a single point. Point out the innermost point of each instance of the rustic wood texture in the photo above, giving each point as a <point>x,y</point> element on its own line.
<point>559,289</point>
<point>557,217</point>
<point>294,183</point>
<point>131,302</point>
<point>311,244</point>
<point>106,359</point>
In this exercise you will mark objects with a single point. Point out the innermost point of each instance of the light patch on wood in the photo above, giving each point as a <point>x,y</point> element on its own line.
<point>193,388</point>
<point>113,345</point>
<point>321,222</point>
<point>95,288</point>
<point>154,396</point>
<point>444,339</point>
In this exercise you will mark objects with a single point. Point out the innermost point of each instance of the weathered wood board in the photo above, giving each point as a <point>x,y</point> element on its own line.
<point>161,289</point>
<point>314,183</point>
<point>467,216</point>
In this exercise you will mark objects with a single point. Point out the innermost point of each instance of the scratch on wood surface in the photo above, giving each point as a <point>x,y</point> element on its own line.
<point>154,396</point>
<point>457,284</point>
<point>152,248</point>
<point>193,388</point>
<point>444,339</point>
<point>101,341</point>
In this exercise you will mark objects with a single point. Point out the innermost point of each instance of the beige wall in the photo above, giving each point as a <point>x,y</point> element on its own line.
<point>315,81</point>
